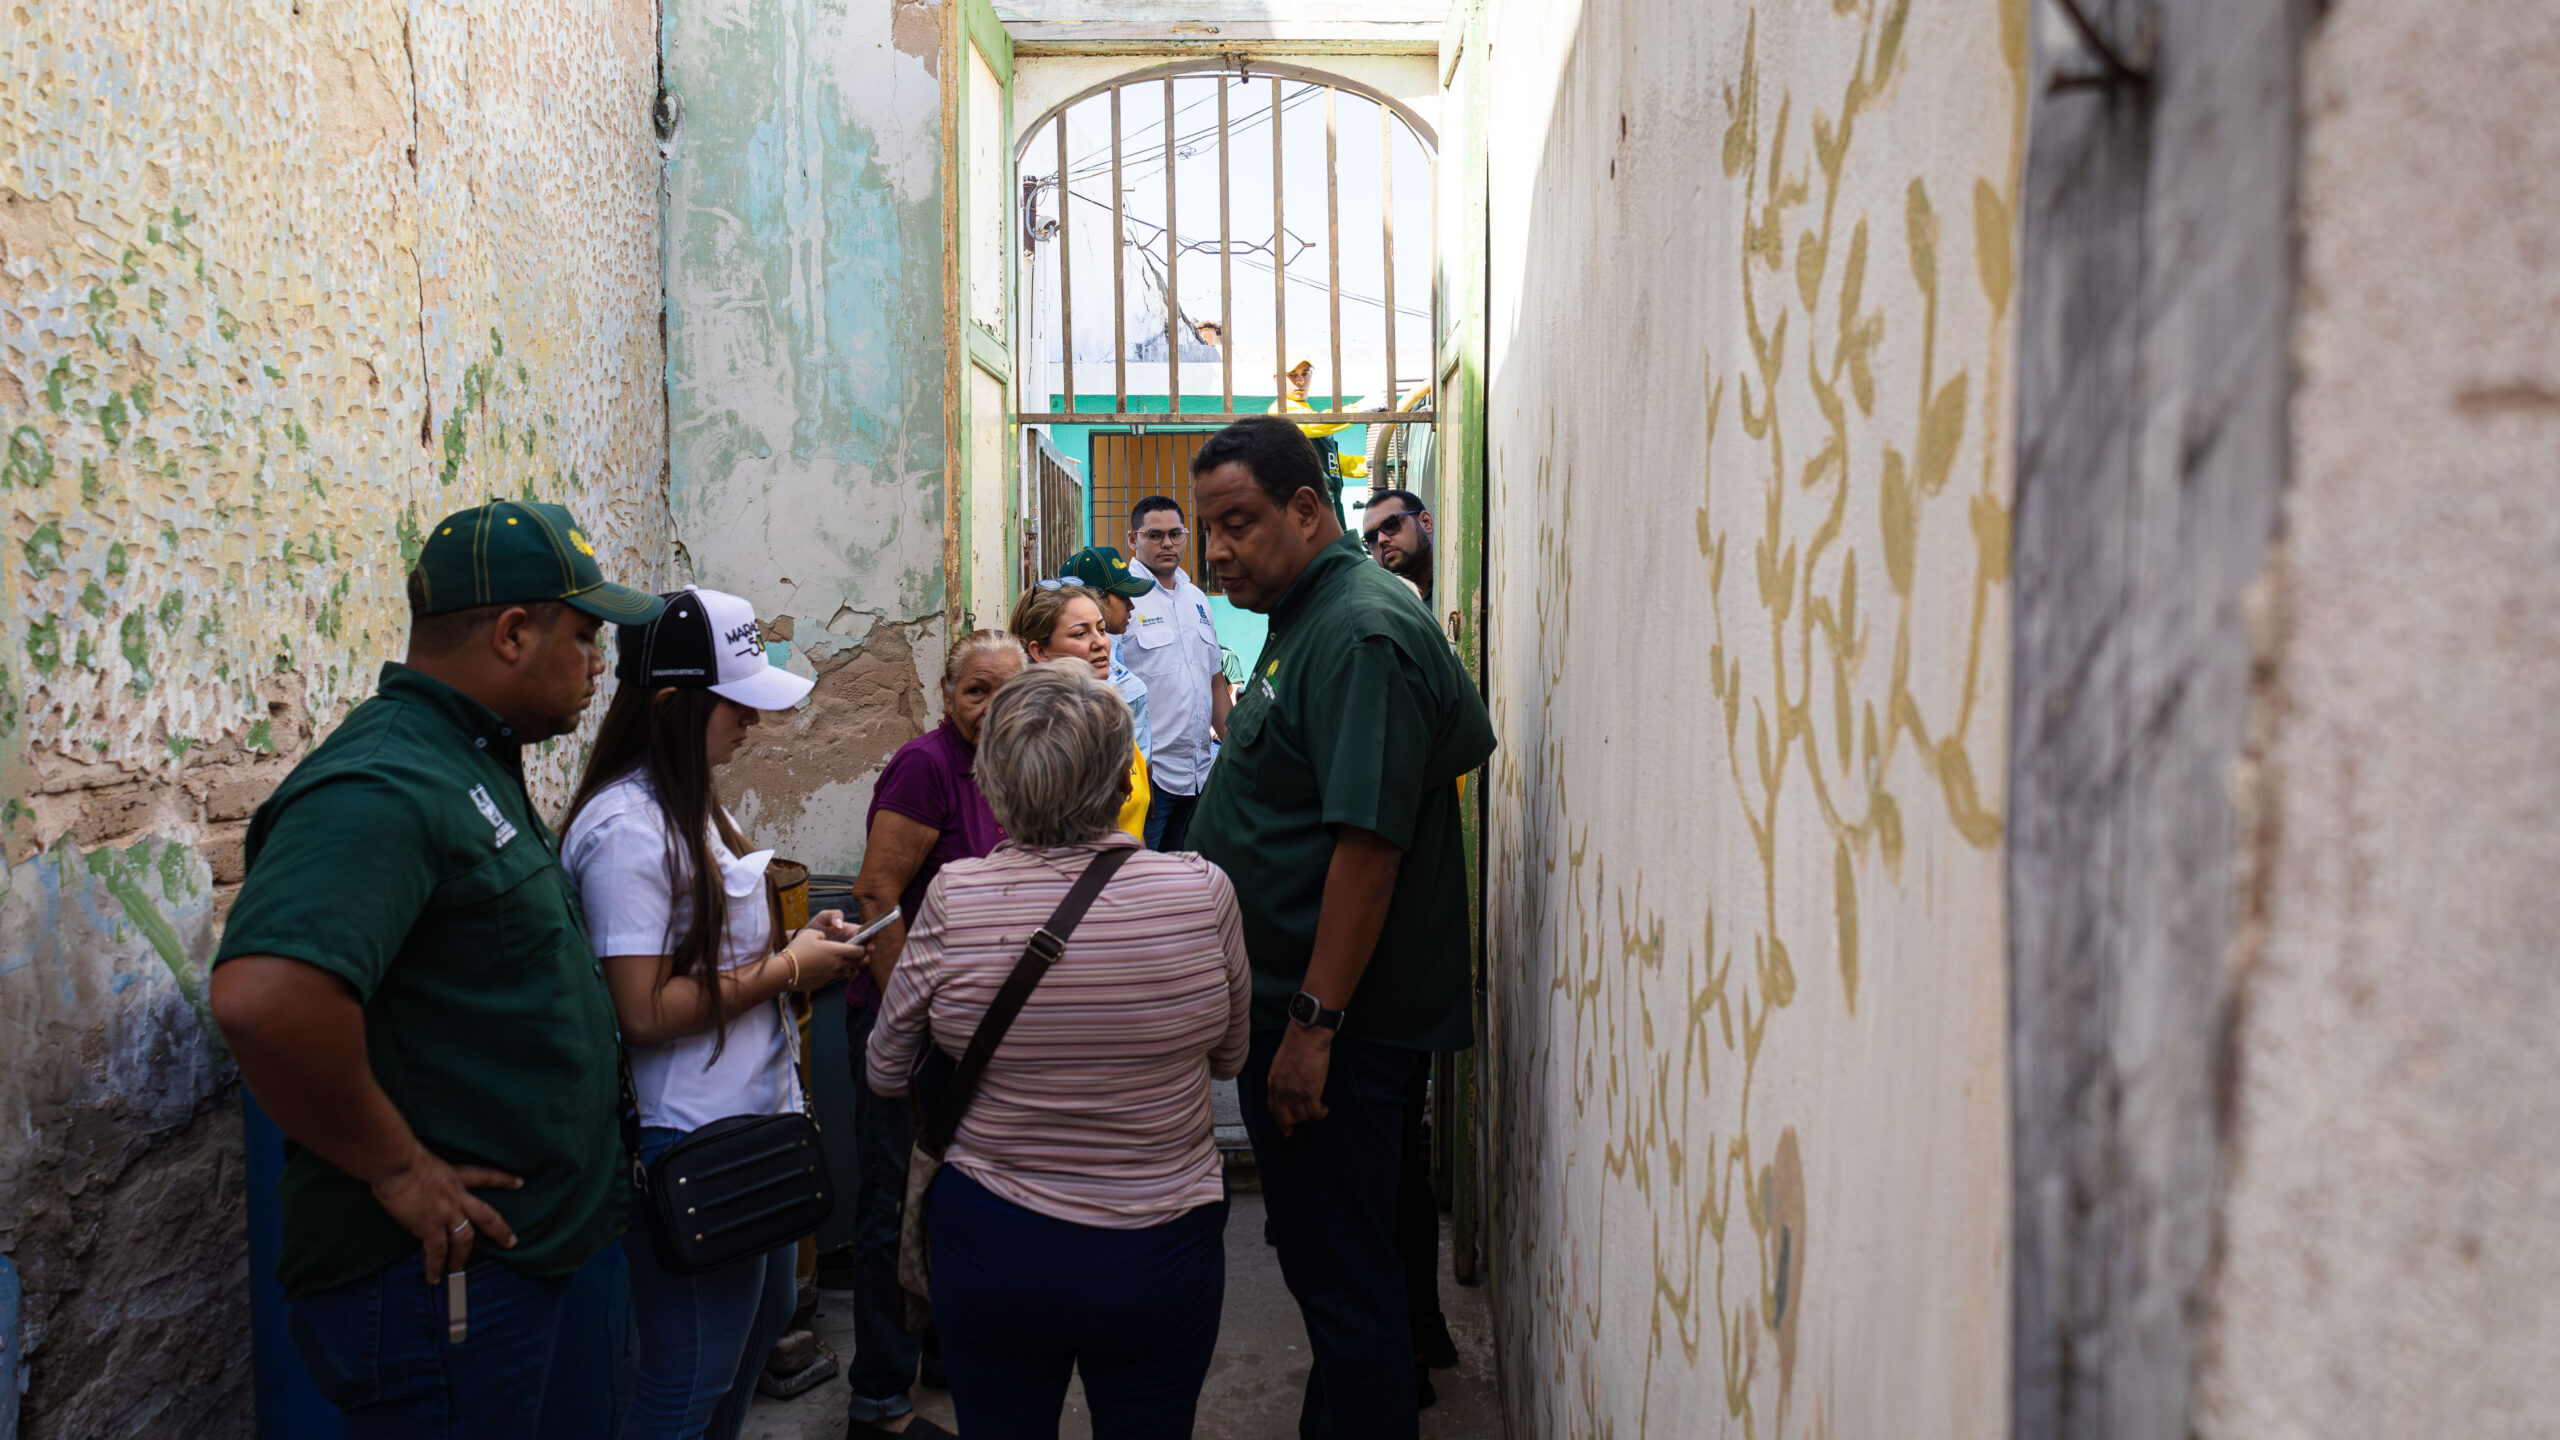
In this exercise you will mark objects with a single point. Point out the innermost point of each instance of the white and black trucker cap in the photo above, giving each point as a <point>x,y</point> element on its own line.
<point>707,640</point>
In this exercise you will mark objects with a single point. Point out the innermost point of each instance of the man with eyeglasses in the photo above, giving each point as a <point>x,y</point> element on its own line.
<point>1173,645</point>
<point>1396,531</point>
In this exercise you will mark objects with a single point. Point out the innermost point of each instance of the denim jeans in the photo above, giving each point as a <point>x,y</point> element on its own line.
<point>1024,1300</point>
<point>885,1356</point>
<point>1418,1210</point>
<point>378,1350</point>
<point>1330,1191</point>
<point>703,1338</point>
<point>1169,820</point>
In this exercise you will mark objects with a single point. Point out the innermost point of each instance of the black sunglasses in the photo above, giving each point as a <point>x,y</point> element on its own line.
<point>1391,526</point>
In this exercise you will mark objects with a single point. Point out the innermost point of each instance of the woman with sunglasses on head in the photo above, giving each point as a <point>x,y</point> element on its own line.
<point>676,906</point>
<point>926,813</point>
<point>1062,620</point>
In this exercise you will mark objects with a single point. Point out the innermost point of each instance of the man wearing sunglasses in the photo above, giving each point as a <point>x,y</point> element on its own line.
<point>1396,531</point>
<point>1173,645</point>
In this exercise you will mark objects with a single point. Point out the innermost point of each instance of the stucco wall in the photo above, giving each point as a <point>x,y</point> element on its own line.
<point>1749,416</point>
<point>280,284</point>
<point>2390,1262</point>
<point>806,364</point>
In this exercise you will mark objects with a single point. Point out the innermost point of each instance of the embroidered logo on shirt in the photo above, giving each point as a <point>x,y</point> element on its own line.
<point>504,831</point>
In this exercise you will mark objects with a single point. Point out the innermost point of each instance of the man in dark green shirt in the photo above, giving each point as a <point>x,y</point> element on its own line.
<point>406,982</point>
<point>1334,808</point>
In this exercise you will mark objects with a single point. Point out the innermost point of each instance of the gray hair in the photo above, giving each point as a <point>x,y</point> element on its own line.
<point>980,642</point>
<point>1056,741</point>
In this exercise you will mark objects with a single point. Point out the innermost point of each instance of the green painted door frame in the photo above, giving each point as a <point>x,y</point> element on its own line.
<point>984,536</point>
<point>1460,276</point>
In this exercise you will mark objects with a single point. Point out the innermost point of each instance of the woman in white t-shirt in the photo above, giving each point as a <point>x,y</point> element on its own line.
<point>676,906</point>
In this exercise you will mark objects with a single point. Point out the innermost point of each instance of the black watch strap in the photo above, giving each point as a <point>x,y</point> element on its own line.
<point>1307,1010</point>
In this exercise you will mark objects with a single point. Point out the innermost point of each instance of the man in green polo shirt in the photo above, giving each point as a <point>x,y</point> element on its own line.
<point>1334,807</point>
<point>406,983</point>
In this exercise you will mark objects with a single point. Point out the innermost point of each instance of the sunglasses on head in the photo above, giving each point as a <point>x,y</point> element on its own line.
<point>1060,583</point>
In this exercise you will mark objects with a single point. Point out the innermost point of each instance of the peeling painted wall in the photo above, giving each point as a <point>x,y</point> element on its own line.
<point>1750,268</point>
<point>2388,1263</point>
<point>280,283</point>
<point>806,364</point>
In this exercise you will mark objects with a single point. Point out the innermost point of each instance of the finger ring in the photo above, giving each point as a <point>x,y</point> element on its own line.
<point>458,1229</point>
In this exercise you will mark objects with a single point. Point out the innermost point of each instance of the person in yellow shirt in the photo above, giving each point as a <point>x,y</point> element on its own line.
<point>1293,401</point>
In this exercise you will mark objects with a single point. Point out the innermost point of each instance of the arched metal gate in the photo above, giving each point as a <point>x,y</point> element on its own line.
<point>1189,236</point>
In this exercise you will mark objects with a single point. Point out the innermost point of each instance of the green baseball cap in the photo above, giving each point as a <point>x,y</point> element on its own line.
<point>1101,567</point>
<point>510,552</point>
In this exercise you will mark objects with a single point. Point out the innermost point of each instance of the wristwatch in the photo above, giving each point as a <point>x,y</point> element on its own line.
<point>1307,1010</point>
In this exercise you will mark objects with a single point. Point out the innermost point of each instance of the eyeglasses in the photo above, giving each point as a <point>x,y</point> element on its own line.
<point>1392,526</point>
<point>1164,537</point>
<point>1061,583</point>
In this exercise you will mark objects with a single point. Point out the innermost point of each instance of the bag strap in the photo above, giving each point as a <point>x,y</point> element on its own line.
<point>1047,944</point>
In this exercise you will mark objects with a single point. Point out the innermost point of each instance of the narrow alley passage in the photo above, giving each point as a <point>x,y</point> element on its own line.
<point>1254,1384</point>
<point>1976,863</point>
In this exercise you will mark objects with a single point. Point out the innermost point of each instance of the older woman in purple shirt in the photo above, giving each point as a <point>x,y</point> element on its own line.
<point>925,813</point>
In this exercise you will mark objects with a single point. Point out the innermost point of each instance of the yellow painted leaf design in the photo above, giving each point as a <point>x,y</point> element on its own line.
<point>1777,975</point>
<point>1991,243</point>
<point>1888,822</point>
<point>1941,431</point>
<point>1978,826</point>
<point>1991,538</point>
<point>1844,905</point>
<point>1920,223</point>
<point>1901,522</point>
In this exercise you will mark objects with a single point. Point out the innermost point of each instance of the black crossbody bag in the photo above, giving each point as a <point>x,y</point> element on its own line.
<point>743,1186</point>
<point>734,1188</point>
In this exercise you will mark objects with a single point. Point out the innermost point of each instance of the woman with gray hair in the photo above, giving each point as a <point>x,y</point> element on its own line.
<point>1078,1220</point>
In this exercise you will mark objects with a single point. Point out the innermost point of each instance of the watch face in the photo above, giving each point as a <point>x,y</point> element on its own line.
<point>1302,1008</point>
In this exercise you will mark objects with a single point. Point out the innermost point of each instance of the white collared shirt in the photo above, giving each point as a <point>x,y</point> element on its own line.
<point>1133,690</point>
<point>616,856</point>
<point>1173,645</point>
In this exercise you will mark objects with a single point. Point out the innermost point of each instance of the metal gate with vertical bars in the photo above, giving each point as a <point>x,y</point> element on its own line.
<point>1129,468</point>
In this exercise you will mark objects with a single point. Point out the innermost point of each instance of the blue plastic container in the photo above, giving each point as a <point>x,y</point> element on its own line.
<point>591,1366</point>
<point>289,1408</point>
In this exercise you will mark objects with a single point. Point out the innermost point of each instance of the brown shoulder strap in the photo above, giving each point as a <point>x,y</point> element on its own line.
<point>1047,944</point>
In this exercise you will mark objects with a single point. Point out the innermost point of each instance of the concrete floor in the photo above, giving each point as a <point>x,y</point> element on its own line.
<point>1254,1383</point>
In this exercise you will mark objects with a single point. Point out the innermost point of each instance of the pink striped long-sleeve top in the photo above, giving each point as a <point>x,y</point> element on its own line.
<point>1095,1107</point>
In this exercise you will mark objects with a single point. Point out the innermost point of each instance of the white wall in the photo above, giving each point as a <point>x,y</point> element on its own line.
<point>806,384</point>
<point>1749,419</point>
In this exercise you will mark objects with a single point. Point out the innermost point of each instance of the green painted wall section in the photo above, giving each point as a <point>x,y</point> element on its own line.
<point>804,275</point>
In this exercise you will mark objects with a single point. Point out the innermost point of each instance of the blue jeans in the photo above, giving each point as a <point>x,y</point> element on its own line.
<point>378,1350</point>
<point>703,1338</point>
<point>1024,1300</point>
<point>1169,820</point>
<point>885,1356</point>
<point>1330,1192</point>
